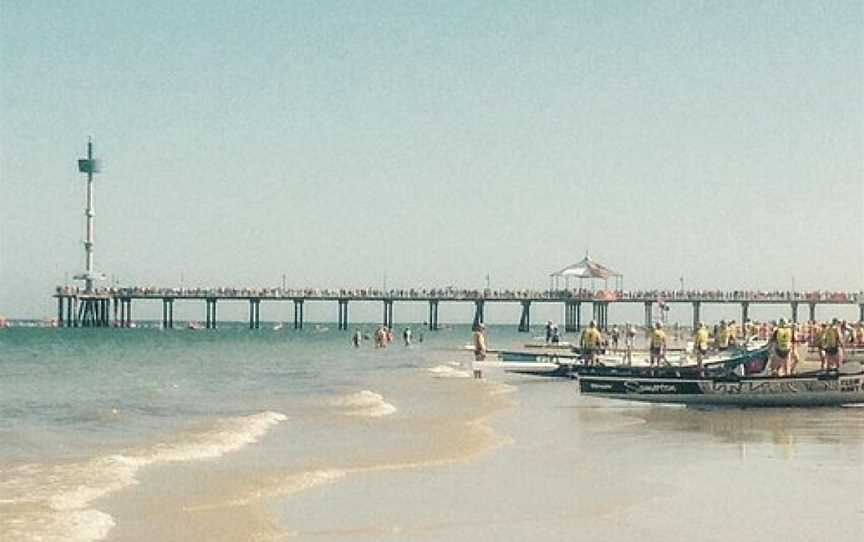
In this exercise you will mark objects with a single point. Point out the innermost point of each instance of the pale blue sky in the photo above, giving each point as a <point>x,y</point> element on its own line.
<point>433,141</point>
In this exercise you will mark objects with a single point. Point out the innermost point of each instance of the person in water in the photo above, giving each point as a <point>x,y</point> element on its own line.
<point>658,346</point>
<point>479,340</point>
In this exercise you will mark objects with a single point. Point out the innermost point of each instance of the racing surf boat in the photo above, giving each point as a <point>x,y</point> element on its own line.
<point>729,388</point>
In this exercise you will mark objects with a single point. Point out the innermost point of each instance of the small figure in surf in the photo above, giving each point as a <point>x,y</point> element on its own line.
<point>479,340</point>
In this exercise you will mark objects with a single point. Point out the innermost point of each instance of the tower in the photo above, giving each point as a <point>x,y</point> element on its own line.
<point>93,310</point>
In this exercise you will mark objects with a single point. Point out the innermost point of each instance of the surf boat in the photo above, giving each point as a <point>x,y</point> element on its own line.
<point>748,359</point>
<point>817,388</point>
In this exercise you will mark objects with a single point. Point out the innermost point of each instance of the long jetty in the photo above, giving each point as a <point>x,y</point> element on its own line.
<point>106,307</point>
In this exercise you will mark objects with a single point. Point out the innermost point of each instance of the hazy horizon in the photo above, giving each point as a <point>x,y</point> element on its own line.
<point>434,143</point>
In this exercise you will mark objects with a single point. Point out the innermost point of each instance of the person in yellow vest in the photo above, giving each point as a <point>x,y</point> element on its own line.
<point>658,345</point>
<point>832,344</point>
<point>722,338</point>
<point>700,344</point>
<point>781,341</point>
<point>859,334</point>
<point>732,333</point>
<point>591,343</point>
<point>817,341</point>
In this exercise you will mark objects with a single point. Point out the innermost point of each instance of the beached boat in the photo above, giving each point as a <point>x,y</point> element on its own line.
<point>570,364</point>
<point>816,388</point>
<point>547,368</point>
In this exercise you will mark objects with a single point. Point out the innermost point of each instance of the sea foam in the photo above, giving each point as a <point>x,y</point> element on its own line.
<point>446,371</point>
<point>364,403</point>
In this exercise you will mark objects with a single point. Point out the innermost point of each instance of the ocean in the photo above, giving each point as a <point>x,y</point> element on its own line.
<point>277,434</point>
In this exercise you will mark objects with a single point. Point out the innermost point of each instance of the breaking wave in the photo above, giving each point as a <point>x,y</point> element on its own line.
<point>364,403</point>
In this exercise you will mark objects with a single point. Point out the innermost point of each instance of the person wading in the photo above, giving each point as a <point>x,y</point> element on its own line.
<point>479,340</point>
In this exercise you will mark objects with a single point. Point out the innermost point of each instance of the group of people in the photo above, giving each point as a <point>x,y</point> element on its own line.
<point>384,336</point>
<point>830,339</point>
<point>592,342</point>
<point>553,335</point>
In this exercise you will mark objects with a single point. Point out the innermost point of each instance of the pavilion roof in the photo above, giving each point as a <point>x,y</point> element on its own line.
<point>586,269</point>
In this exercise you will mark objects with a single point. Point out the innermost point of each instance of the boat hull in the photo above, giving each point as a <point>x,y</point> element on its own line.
<point>823,389</point>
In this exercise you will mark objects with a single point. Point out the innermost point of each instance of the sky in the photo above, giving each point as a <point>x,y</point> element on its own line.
<point>430,144</point>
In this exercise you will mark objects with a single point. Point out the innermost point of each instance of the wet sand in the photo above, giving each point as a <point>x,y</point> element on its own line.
<point>582,468</point>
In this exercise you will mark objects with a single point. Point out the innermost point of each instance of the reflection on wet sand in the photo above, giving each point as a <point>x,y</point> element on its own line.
<point>782,426</point>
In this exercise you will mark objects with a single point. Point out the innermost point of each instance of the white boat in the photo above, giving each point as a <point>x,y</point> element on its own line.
<point>529,367</point>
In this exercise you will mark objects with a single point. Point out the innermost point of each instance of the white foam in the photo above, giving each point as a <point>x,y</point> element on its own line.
<point>51,502</point>
<point>364,403</point>
<point>446,371</point>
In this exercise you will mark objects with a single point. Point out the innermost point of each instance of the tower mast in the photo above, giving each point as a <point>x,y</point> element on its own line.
<point>90,166</point>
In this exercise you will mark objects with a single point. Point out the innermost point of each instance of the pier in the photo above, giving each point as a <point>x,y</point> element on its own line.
<point>112,307</point>
<point>91,306</point>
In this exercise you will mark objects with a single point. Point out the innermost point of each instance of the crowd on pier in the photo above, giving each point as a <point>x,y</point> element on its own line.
<point>450,293</point>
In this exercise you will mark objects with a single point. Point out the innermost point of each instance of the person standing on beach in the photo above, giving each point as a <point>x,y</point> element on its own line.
<point>629,339</point>
<point>615,336</point>
<point>591,343</point>
<point>722,336</point>
<point>832,344</point>
<point>406,336</point>
<point>658,346</point>
<point>357,339</point>
<point>781,340</point>
<point>479,340</point>
<point>700,344</point>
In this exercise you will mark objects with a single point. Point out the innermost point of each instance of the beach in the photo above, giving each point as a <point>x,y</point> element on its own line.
<point>132,435</point>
